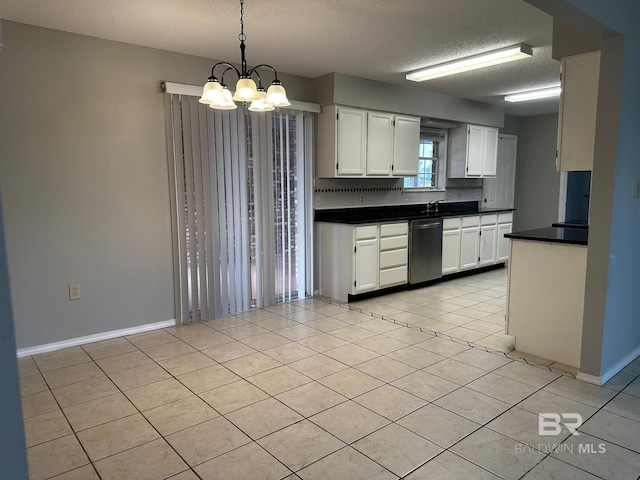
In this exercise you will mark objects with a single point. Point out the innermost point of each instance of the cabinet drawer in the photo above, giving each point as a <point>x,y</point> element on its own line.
<point>393,276</point>
<point>394,243</point>
<point>393,258</point>
<point>488,219</point>
<point>505,217</point>
<point>394,229</point>
<point>370,231</point>
<point>473,221</point>
<point>451,223</point>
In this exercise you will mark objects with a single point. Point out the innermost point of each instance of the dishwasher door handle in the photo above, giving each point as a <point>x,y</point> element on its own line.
<point>423,227</point>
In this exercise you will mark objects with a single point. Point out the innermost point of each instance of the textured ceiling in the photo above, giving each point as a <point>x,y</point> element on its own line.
<point>375,39</point>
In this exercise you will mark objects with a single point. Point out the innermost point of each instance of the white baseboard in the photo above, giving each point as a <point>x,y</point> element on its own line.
<point>72,342</point>
<point>602,379</point>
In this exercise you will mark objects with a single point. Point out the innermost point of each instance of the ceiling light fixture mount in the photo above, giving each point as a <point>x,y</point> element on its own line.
<point>534,94</point>
<point>474,62</point>
<point>216,94</point>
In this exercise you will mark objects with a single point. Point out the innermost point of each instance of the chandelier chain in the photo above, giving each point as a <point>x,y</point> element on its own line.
<point>242,37</point>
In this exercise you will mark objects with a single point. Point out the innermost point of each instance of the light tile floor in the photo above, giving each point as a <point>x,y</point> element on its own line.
<point>415,385</point>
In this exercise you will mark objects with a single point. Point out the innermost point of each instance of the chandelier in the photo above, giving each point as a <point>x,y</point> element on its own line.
<point>216,94</point>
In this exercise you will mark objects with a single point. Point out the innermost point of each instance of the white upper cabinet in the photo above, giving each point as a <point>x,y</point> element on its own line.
<point>578,108</point>
<point>406,141</point>
<point>473,152</point>
<point>358,143</point>
<point>379,143</point>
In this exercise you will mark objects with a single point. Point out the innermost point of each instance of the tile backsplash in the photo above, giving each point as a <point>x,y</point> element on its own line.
<point>350,192</point>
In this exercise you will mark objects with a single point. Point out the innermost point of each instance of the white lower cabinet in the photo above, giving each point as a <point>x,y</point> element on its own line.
<point>450,245</point>
<point>469,242</point>
<point>475,241</point>
<point>360,259</point>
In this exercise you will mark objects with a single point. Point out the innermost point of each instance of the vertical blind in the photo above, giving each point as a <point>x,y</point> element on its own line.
<point>239,197</point>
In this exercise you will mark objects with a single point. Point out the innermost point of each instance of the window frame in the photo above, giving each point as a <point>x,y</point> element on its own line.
<point>440,136</point>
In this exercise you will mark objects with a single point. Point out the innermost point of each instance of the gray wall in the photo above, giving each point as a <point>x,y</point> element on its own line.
<point>13,458</point>
<point>84,179</point>
<point>537,181</point>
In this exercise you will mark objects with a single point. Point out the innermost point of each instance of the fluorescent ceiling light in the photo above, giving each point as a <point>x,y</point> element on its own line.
<point>534,94</point>
<point>494,57</point>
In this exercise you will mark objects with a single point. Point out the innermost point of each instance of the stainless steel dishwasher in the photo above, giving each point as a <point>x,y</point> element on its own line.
<point>425,250</point>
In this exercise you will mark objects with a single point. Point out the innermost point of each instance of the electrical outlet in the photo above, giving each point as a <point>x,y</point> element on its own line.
<point>74,291</point>
<point>361,198</point>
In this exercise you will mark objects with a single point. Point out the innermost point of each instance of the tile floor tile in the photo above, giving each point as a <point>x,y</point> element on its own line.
<point>543,401</point>
<point>310,398</point>
<point>343,464</point>
<point>207,440</point>
<point>84,391</point>
<point>349,421</point>
<point>233,396</point>
<point>448,466</point>
<point>209,340</point>
<point>304,316</point>
<point>109,348</point>
<point>156,394</point>
<point>46,427</point>
<point>278,380</point>
<point>381,344</point>
<point>32,383</point>
<point>410,336</point>
<point>625,405</point>
<point>633,388</point>
<point>168,350</point>
<point>614,428</point>
<point>139,376</point>
<point>442,346</point>
<point>247,462</point>
<point>300,444</point>
<point>552,469</point>
<point>178,415</point>
<point>502,388</point>
<point>619,381</point>
<point>186,475</point>
<point>207,378</point>
<point>424,385</point>
<point>322,342</point>
<point>252,364</point>
<point>263,418</point>
<point>522,426</point>
<point>290,352</point>
<point>581,391</point>
<point>397,449</point>
<point>151,461</point>
<point>473,405</point>
<point>38,403</point>
<point>534,376</point>
<point>74,373</point>
<point>326,324</point>
<point>455,371</point>
<point>55,457</point>
<point>615,463</point>
<point>27,366</point>
<point>466,334</point>
<point>96,412</point>
<point>189,330</point>
<point>125,361</point>
<point>117,436</point>
<point>438,425</point>
<point>496,453</point>
<point>83,473</point>
<point>485,327</point>
<point>276,323</point>
<point>350,382</point>
<point>298,332</point>
<point>352,333</point>
<point>244,331</point>
<point>151,339</point>
<point>385,369</point>
<point>378,326</point>
<point>266,341</point>
<point>60,359</point>
<point>228,351</point>
<point>484,360</point>
<point>415,357</point>
<point>317,366</point>
<point>351,354</point>
<point>390,402</point>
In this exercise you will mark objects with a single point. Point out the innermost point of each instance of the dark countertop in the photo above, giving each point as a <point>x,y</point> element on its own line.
<point>574,236</point>
<point>582,223</point>
<point>358,215</point>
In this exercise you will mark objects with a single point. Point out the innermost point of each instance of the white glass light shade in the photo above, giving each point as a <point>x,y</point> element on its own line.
<point>227,102</point>
<point>277,96</point>
<point>261,106</point>
<point>246,90</point>
<point>212,93</point>
<point>534,94</point>
<point>495,57</point>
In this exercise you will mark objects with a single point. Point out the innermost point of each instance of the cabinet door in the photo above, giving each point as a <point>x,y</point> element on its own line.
<point>450,251</point>
<point>379,144</point>
<point>366,265</point>
<point>503,244</point>
<point>488,244</point>
<point>405,146</point>
<point>490,157</point>
<point>469,248</point>
<point>475,150</point>
<point>351,138</point>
